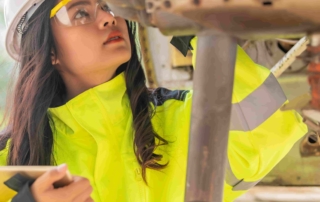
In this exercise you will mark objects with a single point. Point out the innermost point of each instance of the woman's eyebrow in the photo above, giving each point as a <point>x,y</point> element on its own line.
<point>77,3</point>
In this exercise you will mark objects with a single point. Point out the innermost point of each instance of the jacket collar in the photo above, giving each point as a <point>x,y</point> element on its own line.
<point>105,103</point>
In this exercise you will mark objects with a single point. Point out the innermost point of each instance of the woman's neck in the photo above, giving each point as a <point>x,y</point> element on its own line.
<point>77,84</point>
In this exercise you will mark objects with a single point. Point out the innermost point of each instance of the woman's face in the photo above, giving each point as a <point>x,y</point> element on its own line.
<point>84,49</point>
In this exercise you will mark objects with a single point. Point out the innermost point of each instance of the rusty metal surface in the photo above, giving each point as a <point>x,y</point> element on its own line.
<point>314,71</point>
<point>310,145</point>
<point>147,57</point>
<point>245,18</point>
<point>210,118</point>
<point>134,4</point>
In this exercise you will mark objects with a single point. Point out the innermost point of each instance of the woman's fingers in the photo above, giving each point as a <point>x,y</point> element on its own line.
<point>46,181</point>
<point>80,187</point>
<point>78,191</point>
<point>84,196</point>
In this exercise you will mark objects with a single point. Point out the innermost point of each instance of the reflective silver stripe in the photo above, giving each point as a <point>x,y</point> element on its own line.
<point>243,186</point>
<point>249,114</point>
<point>238,185</point>
<point>258,106</point>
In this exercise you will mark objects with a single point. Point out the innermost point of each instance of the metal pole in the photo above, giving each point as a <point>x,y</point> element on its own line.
<point>210,120</point>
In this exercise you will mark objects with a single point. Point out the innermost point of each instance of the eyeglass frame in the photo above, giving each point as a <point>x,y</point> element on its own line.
<point>62,3</point>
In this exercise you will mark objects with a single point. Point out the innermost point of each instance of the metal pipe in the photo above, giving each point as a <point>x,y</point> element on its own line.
<point>213,85</point>
<point>313,111</point>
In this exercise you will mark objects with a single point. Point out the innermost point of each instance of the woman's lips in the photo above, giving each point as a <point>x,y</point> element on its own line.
<point>113,40</point>
<point>114,37</point>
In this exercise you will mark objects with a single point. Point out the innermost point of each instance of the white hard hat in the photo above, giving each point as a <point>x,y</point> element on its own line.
<point>16,14</point>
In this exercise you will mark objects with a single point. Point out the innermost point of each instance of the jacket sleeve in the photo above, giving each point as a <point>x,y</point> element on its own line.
<point>10,195</point>
<point>24,195</point>
<point>260,133</point>
<point>7,194</point>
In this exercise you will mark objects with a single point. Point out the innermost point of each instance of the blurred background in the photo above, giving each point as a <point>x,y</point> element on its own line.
<point>6,63</point>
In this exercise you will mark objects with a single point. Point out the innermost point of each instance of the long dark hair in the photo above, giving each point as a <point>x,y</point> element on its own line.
<point>29,126</point>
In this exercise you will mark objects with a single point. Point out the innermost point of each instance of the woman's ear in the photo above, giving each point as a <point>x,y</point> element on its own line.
<point>54,59</point>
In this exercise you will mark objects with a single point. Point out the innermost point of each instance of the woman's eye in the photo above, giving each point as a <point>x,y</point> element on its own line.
<point>81,14</point>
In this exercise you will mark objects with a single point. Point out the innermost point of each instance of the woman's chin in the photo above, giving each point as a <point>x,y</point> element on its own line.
<point>121,56</point>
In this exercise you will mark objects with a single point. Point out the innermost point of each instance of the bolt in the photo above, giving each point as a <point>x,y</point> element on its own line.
<point>267,3</point>
<point>313,138</point>
<point>150,5</point>
<point>196,2</point>
<point>167,4</point>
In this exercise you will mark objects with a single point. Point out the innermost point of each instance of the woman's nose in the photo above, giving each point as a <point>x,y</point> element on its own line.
<point>106,18</point>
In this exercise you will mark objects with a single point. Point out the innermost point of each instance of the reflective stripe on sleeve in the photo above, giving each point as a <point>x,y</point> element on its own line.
<point>258,106</point>
<point>237,184</point>
<point>249,114</point>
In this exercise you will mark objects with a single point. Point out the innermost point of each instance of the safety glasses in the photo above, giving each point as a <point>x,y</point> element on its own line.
<point>78,12</point>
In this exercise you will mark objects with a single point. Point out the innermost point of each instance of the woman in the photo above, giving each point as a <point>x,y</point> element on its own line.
<point>81,99</point>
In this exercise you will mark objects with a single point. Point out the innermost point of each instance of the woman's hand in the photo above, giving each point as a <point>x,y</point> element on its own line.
<point>78,191</point>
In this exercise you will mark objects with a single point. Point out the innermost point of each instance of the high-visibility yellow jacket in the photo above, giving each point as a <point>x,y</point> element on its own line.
<point>94,136</point>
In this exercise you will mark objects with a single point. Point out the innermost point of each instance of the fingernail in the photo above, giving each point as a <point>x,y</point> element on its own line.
<point>61,167</point>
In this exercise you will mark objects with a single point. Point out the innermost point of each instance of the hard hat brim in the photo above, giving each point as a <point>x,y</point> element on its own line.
<point>12,37</point>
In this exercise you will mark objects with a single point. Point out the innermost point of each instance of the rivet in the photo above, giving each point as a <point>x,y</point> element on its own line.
<point>167,4</point>
<point>196,2</point>
<point>150,5</point>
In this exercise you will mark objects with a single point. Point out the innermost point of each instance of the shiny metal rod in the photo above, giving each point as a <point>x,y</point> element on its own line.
<point>213,84</point>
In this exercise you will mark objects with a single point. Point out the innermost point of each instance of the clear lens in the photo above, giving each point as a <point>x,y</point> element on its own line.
<point>103,5</point>
<point>80,12</point>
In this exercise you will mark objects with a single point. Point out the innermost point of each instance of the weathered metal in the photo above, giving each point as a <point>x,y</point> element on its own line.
<point>314,70</point>
<point>213,84</point>
<point>246,18</point>
<point>146,54</point>
<point>310,145</point>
